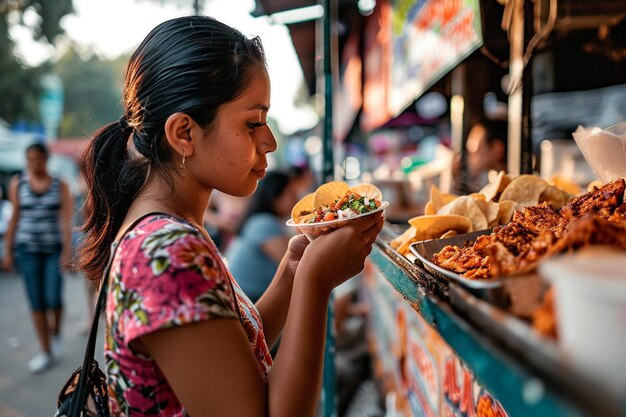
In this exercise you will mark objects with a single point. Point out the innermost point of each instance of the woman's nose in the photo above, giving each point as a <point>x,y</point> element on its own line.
<point>268,141</point>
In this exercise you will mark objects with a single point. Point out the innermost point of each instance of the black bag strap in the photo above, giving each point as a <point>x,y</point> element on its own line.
<point>78,400</point>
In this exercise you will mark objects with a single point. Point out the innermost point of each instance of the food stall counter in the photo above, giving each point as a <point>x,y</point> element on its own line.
<point>440,361</point>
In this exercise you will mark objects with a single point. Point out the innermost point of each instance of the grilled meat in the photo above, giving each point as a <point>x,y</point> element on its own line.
<point>540,218</point>
<point>619,215</point>
<point>601,201</point>
<point>595,218</point>
<point>463,261</point>
<point>514,237</point>
<point>592,230</point>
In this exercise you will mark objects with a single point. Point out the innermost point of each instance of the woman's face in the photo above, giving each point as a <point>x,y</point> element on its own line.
<point>479,153</point>
<point>36,162</point>
<point>232,156</point>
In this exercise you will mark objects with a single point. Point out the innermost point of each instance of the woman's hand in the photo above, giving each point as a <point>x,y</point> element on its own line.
<point>295,250</point>
<point>7,259</point>
<point>340,254</point>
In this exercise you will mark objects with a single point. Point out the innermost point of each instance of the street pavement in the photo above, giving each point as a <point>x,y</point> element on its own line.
<point>23,394</point>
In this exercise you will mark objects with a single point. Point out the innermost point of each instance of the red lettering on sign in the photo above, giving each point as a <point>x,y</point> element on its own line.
<point>450,386</point>
<point>467,396</point>
<point>488,407</point>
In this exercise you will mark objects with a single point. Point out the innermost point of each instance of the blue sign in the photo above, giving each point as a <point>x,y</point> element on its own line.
<point>51,103</point>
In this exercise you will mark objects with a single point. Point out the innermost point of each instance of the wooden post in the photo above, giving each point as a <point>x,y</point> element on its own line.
<point>516,71</point>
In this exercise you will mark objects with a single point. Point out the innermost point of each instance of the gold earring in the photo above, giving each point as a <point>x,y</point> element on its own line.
<point>182,165</point>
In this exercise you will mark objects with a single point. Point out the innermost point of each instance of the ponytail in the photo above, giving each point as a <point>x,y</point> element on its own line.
<point>113,181</point>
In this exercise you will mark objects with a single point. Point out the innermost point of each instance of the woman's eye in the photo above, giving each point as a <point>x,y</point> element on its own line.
<point>254,125</point>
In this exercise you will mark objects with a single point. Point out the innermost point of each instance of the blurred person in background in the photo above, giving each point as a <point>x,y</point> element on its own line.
<point>223,218</point>
<point>39,241</point>
<point>263,238</point>
<point>6,210</point>
<point>486,149</point>
<point>303,178</point>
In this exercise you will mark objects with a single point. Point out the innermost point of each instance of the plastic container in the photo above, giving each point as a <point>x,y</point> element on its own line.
<point>604,150</point>
<point>590,289</point>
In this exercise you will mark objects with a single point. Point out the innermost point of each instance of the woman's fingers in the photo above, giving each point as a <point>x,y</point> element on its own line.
<point>367,222</point>
<point>373,231</point>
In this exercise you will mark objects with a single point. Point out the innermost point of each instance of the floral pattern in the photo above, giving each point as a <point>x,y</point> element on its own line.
<point>166,273</point>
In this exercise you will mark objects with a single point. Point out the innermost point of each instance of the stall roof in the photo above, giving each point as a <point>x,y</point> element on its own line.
<point>303,34</point>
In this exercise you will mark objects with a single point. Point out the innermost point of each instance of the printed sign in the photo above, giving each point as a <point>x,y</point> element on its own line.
<point>429,37</point>
<point>412,359</point>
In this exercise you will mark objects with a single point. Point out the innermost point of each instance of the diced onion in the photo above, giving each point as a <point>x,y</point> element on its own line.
<point>367,201</point>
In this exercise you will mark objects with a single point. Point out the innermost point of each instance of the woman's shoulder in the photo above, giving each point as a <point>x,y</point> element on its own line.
<point>160,232</point>
<point>155,221</point>
<point>162,245</point>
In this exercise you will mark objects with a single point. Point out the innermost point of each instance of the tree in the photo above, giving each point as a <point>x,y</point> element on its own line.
<point>92,90</point>
<point>19,84</point>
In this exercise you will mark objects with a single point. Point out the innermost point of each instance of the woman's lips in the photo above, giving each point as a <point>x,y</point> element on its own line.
<point>259,172</point>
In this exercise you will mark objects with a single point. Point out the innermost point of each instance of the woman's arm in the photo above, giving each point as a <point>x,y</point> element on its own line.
<point>274,303</point>
<point>9,237</point>
<point>327,262</point>
<point>275,247</point>
<point>66,212</point>
<point>218,374</point>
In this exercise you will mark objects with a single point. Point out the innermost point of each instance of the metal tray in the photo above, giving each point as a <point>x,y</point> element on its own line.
<point>519,295</point>
<point>411,266</point>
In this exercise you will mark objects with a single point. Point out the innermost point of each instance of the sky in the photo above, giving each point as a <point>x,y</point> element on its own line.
<point>113,27</point>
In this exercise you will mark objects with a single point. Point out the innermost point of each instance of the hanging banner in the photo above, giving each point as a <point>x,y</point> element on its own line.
<point>429,38</point>
<point>376,67</point>
<point>347,93</point>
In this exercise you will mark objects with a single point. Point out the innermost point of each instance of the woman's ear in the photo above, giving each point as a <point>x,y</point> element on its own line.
<point>178,128</point>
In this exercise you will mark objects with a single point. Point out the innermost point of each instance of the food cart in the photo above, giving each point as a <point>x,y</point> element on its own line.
<point>440,348</point>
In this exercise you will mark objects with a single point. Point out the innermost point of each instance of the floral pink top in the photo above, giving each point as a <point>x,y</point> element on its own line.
<point>165,273</point>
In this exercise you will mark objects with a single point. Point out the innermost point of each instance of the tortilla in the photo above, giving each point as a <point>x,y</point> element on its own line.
<point>327,194</point>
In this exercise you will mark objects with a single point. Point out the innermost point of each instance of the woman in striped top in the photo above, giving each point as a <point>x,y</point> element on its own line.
<point>38,240</point>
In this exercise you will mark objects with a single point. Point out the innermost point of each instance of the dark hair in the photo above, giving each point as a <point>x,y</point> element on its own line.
<point>189,64</point>
<point>269,189</point>
<point>38,147</point>
<point>298,171</point>
<point>495,131</point>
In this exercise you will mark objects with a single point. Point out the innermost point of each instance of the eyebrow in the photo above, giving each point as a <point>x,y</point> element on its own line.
<point>259,107</point>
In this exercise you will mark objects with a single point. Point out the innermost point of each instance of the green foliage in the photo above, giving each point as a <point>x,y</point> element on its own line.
<point>19,85</point>
<point>19,89</point>
<point>51,13</point>
<point>92,89</point>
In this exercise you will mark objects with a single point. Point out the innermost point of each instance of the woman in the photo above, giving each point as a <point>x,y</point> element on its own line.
<point>182,338</point>
<point>40,230</point>
<point>263,238</point>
